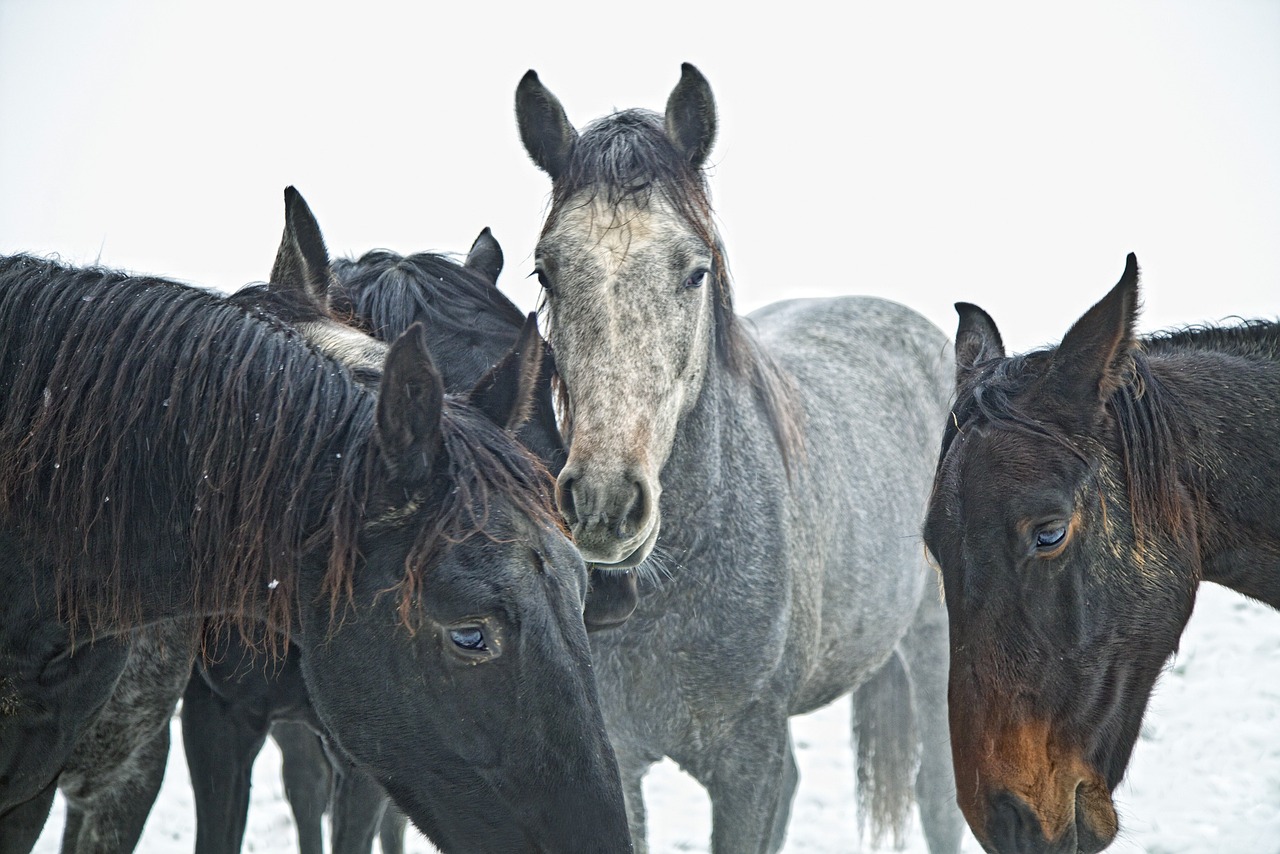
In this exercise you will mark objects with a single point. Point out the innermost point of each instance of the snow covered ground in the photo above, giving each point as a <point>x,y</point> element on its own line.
<point>1205,776</point>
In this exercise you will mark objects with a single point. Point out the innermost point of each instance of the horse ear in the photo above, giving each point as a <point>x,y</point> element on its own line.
<point>505,393</point>
<point>544,128</point>
<point>485,256</point>
<point>1094,357</point>
<point>409,406</point>
<point>302,262</point>
<point>691,116</point>
<point>977,340</point>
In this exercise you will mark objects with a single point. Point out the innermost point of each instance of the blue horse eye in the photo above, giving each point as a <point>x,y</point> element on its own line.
<point>1047,538</point>
<point>470,638</point>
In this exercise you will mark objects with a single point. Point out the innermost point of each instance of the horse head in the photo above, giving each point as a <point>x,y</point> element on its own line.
<point>1068,573</point>
<point>635,297</point>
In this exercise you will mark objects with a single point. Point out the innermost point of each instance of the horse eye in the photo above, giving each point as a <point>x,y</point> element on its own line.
<point>1051,536</point>
<point>470,638</point>
<point>695,280</point>
<point>542,279</point>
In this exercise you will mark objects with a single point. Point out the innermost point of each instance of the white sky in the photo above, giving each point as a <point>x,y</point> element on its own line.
<point>1007,154</point>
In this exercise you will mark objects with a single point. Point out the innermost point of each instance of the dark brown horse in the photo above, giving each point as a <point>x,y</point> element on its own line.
<point>1082,494</point>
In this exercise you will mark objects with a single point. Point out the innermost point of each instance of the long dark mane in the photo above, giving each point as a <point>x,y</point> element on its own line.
<point>1145,413</point>
<point>625,158</point>
<point>143,417</point>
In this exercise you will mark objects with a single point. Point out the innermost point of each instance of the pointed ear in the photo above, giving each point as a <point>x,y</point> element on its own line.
<point>505,393</point>
<point>544,128</point>
<point>1093,359</point>
<point>409,404</point>
<point>485,256</point>
<point>302,262</point>
<point>977,340</point>
<point>691,116</point>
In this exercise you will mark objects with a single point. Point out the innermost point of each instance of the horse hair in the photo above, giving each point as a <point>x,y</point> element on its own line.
<point>627,156</point>
<point>141,411</point>
<point>390,292</point>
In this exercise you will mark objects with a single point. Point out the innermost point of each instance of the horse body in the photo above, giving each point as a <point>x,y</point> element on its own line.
<point>157,424</point>
<point>768,487</point>
<point>1081,494</point>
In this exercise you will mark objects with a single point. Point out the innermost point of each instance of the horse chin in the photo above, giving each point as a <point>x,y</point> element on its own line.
<point>635,558</point>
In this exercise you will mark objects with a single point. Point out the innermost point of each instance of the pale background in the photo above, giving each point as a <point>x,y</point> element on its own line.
<point>1007,154</point>
<point>1003,154</point>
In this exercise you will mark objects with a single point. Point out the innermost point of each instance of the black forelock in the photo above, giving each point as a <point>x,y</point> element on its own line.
<point>390,292</point>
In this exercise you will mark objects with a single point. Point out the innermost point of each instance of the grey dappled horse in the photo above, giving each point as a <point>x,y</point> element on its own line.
<point>768,484</point>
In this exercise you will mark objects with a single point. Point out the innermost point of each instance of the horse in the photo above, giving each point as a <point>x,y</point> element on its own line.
<point>231,704</point>
<point>1082,493</point>
<point>169,455</point>
<point>766,476</point>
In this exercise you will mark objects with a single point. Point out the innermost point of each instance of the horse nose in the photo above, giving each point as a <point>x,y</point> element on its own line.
<point>604,512</point>
<point>1014,828</point>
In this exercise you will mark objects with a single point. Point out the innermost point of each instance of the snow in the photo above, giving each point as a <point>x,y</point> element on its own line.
<point>1205,776</point>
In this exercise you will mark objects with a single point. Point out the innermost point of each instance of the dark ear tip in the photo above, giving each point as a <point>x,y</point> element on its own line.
<point>530,77</point>
<point>963,308</point>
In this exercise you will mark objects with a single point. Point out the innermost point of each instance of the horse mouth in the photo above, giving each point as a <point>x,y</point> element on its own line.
<point>635,557</point>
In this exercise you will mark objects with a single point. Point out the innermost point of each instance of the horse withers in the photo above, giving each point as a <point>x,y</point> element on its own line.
<point>1082,494</point>
<point>167,455</point>
<point>764,476</point>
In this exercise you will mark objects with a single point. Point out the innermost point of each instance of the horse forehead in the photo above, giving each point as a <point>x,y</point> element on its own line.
<point>993,478</point>
<point>606,236</point>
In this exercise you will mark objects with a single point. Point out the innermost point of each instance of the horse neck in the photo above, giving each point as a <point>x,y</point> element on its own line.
<point>722,436</point>
<point>1231,466</point>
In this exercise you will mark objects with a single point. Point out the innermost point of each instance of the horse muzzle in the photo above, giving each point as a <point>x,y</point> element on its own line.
<point>614,520</point>
<point>1027,793</point>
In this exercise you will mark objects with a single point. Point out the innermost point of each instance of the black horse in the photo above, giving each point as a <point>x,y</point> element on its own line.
<point>167,454</point>
<point>1082,494</point>
<point>231,703</point>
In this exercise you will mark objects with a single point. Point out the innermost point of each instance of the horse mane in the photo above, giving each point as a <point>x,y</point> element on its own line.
<point>1146,426</point>
<point>626,157</point>
<point>143,415</point>
<point>389,292</point>
<point>1254,339</point>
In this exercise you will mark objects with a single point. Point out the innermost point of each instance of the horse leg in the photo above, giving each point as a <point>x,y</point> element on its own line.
<point>109,816</point>
<point>926,653</point>
<point>20,827</point>
<point>751,779</point>
<point>220,747</point>
<point>75,818</point>
<point>308,780</point>
<point>358,807</point>
<point>632,768</point>
<point>391,832</point>
<point>782,815</point>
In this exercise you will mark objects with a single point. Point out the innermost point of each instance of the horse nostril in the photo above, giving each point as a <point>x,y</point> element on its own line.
<point>1013,826</point>
<point>634,511</point>
<point>564,496</point>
